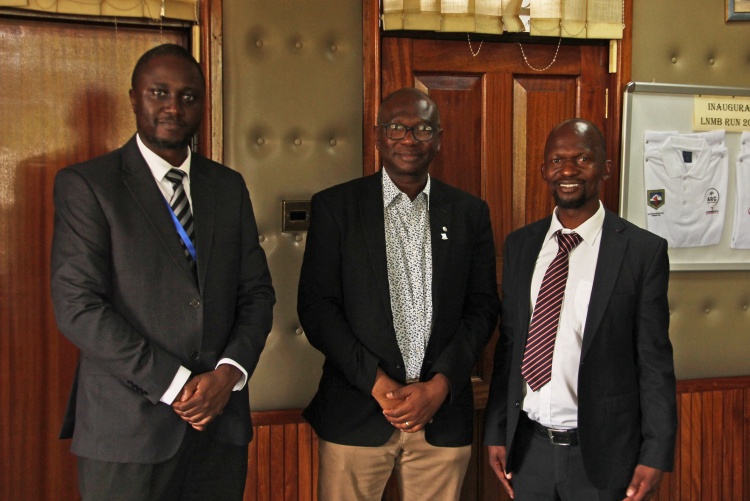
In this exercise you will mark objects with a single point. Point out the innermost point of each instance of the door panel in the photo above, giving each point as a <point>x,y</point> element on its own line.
<point>65,100</point>
<point>460,101</point>
<point>539,103</point>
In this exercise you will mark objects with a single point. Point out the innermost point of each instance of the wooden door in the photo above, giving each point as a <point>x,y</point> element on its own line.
<point>65,100</point>
<point>496,111</point>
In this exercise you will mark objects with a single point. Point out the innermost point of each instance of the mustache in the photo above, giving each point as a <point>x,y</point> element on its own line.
<point>170,121</point>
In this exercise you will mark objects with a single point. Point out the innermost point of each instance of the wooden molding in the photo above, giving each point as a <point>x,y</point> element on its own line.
<point>211,40</point>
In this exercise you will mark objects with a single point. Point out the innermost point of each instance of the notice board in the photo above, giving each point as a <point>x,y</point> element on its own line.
<point>671,107</point>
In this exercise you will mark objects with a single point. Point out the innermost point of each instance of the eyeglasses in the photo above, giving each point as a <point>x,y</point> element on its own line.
<point>421,132</point>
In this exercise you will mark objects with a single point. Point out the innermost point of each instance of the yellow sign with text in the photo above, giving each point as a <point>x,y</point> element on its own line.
<point>720,112</point>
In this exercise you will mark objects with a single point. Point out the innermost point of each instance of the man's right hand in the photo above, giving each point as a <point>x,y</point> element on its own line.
<point>497,462</point>
<point>384,385</point>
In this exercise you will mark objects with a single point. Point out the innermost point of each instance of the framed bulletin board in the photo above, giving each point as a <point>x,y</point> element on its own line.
<point>670,107</point>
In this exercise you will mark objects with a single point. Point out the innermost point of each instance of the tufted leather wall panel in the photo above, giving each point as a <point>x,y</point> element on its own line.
<point>688,42</point>
<point>292,126</point>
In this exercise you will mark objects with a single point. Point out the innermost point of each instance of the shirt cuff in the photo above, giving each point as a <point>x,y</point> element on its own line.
<point>178,382</point>
<point>241,383</point>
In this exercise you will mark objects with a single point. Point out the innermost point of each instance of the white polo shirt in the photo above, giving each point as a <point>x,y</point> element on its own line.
<point>741,231</point>
<point>686,177</point>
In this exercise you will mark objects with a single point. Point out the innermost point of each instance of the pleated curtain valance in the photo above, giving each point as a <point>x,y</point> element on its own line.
<point>186,10</point>
<point>559,18</point>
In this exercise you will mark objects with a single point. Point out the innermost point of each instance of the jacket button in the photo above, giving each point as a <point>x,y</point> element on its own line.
<point>195,303</point>
<point>398,366</point>
<point>194,356</point>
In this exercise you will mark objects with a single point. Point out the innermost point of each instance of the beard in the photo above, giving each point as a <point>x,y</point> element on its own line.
<point>170,145</point>
<point>569,203</point>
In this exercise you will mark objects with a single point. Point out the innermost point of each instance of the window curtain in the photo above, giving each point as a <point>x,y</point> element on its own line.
<point>557,18</point>
<point>186,10</point>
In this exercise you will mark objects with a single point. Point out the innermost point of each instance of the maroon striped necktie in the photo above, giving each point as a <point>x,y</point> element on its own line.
<point>537,359</point>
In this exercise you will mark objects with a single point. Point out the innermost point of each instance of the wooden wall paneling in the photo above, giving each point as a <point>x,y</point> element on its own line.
<point>745,437</point>
<point>282,458</point>
<point>739,432</point>
<point>710,457</point>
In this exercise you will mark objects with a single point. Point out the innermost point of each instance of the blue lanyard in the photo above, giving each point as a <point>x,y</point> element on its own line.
<point>183,235</point>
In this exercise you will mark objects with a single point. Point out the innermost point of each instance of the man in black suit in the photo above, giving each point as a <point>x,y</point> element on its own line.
<point>398,291</point>
<point>158,278</point>
<point>601,425</point>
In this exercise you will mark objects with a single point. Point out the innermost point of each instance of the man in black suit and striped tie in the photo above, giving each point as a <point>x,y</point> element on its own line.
<point>159,279</point>
<point>582,401</point>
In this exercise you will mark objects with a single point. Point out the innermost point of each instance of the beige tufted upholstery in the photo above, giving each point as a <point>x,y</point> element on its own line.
<point>710,323</point>
<point>688,42</point>
<point>292,126</point>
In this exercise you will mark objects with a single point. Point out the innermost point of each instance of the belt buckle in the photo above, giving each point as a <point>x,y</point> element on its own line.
<point>558,439</point>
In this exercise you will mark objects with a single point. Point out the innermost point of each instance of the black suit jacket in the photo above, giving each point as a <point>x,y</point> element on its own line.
<point>124,295</point>
<point>626,384</point>
<point>345,309</point>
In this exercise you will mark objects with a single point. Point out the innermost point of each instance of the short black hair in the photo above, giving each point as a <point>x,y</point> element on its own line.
<point>167,49</point>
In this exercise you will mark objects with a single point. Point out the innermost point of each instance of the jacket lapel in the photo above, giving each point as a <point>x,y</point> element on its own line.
<point>372,219</point>
<point>203,194</point>
<point>440,226</point>
<point>528,256</point>
<point>611,254</point>
<point>140,183</point>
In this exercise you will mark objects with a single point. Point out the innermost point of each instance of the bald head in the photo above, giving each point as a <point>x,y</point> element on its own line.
<point>585,130</point>
<point>422,103</point>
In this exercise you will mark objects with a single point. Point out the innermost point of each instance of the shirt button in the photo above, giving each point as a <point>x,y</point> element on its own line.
<point>195,303</point>
<point>194,356</point>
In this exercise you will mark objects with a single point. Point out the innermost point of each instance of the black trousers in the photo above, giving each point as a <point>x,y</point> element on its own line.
<point>548,472</point>
<point>202,470</point>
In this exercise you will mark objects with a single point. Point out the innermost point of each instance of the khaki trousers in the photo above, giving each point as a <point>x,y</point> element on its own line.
<point>423,471</point>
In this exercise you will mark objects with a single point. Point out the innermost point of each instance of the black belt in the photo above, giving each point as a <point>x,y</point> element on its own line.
<point>556,437</point>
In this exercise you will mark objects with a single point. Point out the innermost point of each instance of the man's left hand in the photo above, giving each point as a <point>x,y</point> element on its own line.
<point>205,396</point>
<point>644,484</point>
<point>420,403</point>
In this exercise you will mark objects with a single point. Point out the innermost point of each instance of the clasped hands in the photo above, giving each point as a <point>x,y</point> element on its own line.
<point>409,408</point>
<point>205,396</point>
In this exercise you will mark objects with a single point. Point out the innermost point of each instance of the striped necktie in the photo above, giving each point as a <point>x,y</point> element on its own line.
<point>537,359</point>
<point>181,208</point>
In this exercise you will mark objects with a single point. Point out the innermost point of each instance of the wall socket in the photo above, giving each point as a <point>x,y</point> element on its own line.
<point>295,215</point>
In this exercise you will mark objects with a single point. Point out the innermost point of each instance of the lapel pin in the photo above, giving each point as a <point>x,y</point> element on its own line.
<point>444,234</point>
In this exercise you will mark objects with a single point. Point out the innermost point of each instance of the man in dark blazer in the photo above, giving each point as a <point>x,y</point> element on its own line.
<point>603,426</point>
<point>159,407</point>
<point>398,291</point>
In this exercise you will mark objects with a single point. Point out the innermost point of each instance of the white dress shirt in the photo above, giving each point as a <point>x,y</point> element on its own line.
<point>555,405</point>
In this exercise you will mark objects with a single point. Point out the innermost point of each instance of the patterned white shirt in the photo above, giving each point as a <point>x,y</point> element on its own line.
<point>409,253</point>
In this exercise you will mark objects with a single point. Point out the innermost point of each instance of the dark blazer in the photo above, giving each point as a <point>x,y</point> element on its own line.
<point>124,295</point>
<point>626,384</point>
<point>345,309</point>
